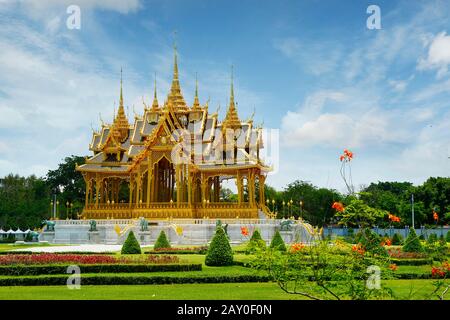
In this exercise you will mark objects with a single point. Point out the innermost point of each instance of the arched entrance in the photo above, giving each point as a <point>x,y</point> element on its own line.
<point>165,180</point>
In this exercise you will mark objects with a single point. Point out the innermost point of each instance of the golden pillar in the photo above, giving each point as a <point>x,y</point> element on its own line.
<point>97,186</point>
<point>131,190</point>
<point>149,179</point>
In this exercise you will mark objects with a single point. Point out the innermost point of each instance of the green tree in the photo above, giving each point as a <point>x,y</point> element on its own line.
<point>277,242</point>
<point>161,242</point>
<point>412,243</point>
<point>68,184</point>
<point>131,245</point>
<point>256,242</point>
<point>219,252</point>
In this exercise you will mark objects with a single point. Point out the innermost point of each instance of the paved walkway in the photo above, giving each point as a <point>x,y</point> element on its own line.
<point>77,248</point>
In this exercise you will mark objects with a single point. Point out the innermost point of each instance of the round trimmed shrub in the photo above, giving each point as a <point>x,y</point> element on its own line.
<point>277,242</point>
<point>161,242</point>
<point>397,239</point>
<point>412,243</point>
<point>131,245</point>
<point>219,252</point>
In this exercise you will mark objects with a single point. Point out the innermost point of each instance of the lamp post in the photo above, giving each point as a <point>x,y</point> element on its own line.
<point>57,209</point>
<point>71,210</point>
<point>273,204</point>
<point>284,211</point>
<point>51,207</point>
<point>301,209</point>
<point>67,210</point>
<point>290,207</point>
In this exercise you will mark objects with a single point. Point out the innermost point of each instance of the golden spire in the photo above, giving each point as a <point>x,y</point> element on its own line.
<point>196,104</point>
<point>155,105</point>
<point>121,124</point>
<point>232,119</point>
<point>175,97</point>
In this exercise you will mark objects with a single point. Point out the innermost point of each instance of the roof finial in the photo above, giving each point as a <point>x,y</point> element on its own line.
<point>196,102</point>
<point>175,58</point>
<point>232,119</point>
<point>232,87</point>
<point>121,95</point>
<point>155,104</point>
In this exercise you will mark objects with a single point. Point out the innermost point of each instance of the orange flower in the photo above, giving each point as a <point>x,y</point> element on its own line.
<point>244,231</point>
<point>393,218</point>
<point>295,247</point>
<point>393,267</point>
<point>435,216</point>
<point>338,206</point>
<point>347,155</point>
<point>359,249</point>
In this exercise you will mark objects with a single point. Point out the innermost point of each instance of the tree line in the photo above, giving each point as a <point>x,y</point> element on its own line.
<point>26,201</point>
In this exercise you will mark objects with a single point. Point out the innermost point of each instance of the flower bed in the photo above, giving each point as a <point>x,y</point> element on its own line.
<point>399,254</point>
<point>441,272</point>
<point>192,250</point>
<point>51,258</point>
<point>55,269</point>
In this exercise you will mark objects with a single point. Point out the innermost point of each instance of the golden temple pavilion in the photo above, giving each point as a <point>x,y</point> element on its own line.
<point>171,162</point>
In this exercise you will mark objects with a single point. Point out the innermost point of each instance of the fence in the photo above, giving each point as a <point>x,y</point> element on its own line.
<point>344,231</point>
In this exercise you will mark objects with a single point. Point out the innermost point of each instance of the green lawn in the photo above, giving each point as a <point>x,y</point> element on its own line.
<point>12,246</point>
<point>232,291</point>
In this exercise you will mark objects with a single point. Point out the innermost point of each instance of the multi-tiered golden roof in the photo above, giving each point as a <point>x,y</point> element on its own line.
<point>172,161</point>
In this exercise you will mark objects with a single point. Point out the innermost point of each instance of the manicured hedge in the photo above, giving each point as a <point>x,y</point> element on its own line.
<point>175,252</point>
<point>66,252</point>
<point>29,270</point>
<point>127,280</point>
<point>411,262</point>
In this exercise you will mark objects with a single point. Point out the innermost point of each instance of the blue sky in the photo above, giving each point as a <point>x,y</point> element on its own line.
<point>311,69</point>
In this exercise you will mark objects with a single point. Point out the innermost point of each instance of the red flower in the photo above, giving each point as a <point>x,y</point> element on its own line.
<point>393,267</point>
<point>435,216</point>
<point>358,248</point>
<point>437,272</point>
<point>338,206</point>
<point>244,231</point>
<point>393,218</point>
<point>347,155</point>
<point>295,247</point>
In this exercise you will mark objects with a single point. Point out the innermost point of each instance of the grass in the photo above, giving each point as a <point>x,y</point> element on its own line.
<point>222,291</point>
<point>12,246</point>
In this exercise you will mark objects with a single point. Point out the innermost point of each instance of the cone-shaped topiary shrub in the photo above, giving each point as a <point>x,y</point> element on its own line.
<point>277,242</point>
<point>219,251</point>
<point>256,242</point>
<point>412,243</point>
<point>397,239</point>
<point>161,242</point>
<point>131,245</point>
<point>447,237</point>
<point>432,238</point>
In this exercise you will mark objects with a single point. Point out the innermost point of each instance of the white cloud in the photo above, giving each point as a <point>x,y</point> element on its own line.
<point>315,57</point>
<point>438,57</point>
<point>41,8</point>
<point>359,125</point>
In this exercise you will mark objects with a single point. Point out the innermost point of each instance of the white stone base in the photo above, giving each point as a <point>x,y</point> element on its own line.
<point>194,231</point>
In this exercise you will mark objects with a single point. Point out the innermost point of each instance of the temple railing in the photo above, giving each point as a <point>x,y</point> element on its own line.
<point>210,221</point>
<point>168,205</point>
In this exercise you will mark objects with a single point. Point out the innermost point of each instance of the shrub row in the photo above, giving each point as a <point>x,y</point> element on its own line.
<point>127,280</point>
<point>176,252</point>
<point>31,270</point>
<point>66,252</point>
<point>411,262</point>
